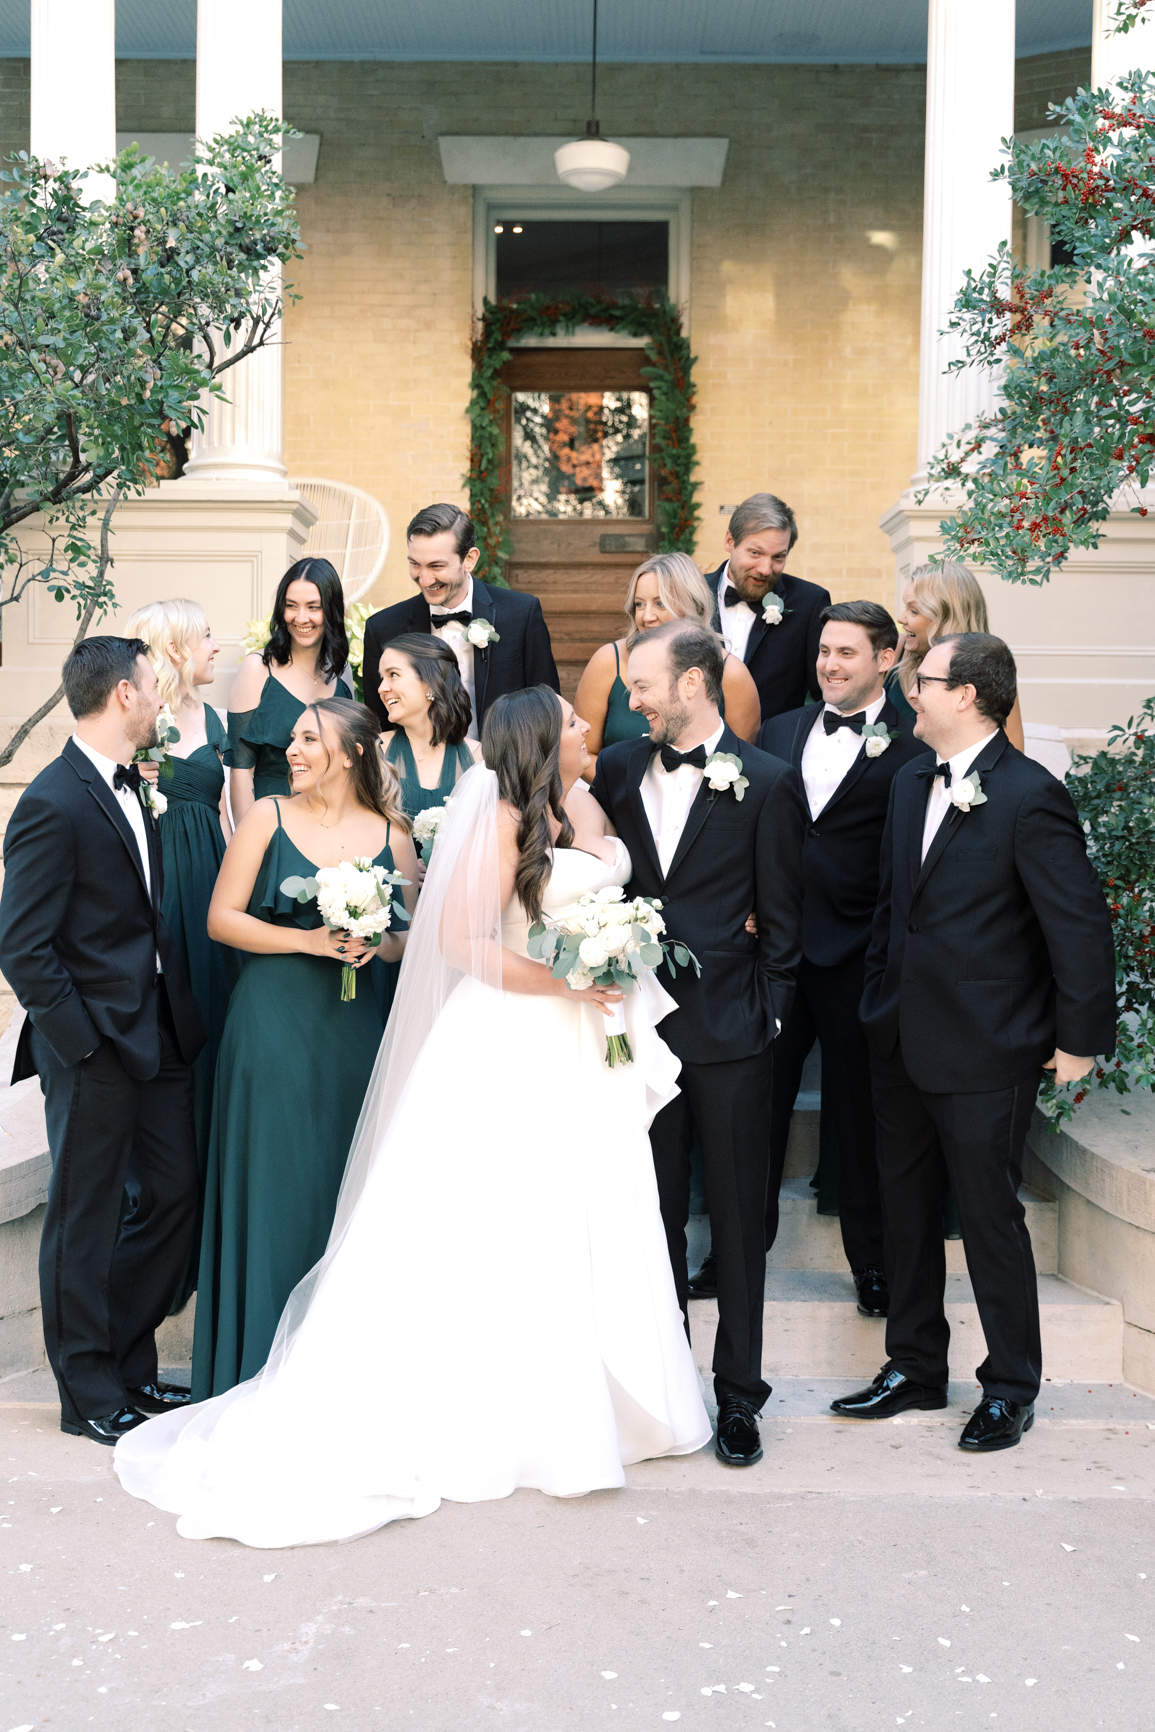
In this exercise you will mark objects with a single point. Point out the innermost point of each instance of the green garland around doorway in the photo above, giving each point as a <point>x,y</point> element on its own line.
<point>670,378</point>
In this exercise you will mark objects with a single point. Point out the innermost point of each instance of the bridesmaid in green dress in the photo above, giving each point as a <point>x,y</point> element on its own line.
<point>667,586</point>
<point>193,834</point>
<point>305,656</point>
<point>295,1061</point>
<point>426,701</point>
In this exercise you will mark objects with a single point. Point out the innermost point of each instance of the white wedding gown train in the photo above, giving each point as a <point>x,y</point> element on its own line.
<point>501,1312</point>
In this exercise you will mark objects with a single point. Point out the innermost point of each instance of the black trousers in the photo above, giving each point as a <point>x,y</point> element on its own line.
<point>106,1284</point>
<point>826,1005</point>
<point>728,1106</point>
<point>975,1140</point>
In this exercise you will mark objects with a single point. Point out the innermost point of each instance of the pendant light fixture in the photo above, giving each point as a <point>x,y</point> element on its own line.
<point>592,163</point>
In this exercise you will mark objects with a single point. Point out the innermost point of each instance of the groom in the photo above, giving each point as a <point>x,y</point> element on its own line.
<point>112,1031</point>
<point>714,828</point>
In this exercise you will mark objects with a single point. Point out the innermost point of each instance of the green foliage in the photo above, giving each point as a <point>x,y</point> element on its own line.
<point>1114,794</point>
<point>1076,345</point>
<point>670,377</point>
<point>115,318</point>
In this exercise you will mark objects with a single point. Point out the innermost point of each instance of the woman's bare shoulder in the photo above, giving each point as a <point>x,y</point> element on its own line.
<point>249,684</point>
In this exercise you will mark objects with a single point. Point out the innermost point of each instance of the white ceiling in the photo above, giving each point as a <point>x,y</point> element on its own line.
<point>798,31</point>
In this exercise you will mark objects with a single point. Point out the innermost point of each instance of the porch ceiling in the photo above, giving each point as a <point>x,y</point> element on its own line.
<point>792,31</point>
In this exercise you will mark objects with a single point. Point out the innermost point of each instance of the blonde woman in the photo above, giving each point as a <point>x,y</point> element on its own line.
<point>938,600</point>
<point>193,833</point>
<point>667,586</point>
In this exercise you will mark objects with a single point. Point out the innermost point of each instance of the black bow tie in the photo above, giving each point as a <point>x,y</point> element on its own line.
<point>465,619</point>
<point>832,721</point>
<point>929,774</point>
<point>732,598</point>
<point>672,760</point>
<point>127,776</point>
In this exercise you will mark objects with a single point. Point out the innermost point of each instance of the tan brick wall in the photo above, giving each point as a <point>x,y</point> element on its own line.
<point>1047,78</point>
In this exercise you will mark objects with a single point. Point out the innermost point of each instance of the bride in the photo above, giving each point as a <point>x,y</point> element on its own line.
<point>495,1307</point>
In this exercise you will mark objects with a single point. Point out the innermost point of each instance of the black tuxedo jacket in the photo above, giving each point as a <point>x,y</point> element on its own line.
<point>735,857</point>
<point>522,656</point>
<point>782,657</point>
<point>840,848</point>
<point>998,949</point>
<point>79,933</point>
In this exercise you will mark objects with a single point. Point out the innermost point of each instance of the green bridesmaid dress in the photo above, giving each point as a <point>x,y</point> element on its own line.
<point>622,723</point>
<point>292,1073</point>
<point>258,738</point>
<point>193,846</point>
<point>415,798</point>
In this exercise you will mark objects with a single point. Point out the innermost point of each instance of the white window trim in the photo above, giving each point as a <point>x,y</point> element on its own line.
<point>493,204</point>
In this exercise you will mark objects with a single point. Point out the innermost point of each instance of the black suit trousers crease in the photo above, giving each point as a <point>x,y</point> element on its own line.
<point>727,1105</point>
<point>976,1142</point>
<point>826,1006</point>
<point>106,1284</point>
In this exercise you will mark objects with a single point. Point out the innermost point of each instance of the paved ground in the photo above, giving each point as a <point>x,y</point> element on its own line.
<point>860,1577</point>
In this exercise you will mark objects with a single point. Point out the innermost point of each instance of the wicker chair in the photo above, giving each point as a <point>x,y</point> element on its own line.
<point>351,531</point>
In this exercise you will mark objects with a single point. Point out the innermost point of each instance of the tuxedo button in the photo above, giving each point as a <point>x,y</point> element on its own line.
<point>814,829</point>
<point>913,928</point>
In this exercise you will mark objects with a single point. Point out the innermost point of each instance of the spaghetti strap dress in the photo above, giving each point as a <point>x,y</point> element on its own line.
<point>414,797</point>
<point>622,723</point>
<point>292,1072</point>
<point>258,738</point>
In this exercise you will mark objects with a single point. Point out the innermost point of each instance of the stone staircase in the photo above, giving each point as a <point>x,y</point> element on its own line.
<point>812,1327</point>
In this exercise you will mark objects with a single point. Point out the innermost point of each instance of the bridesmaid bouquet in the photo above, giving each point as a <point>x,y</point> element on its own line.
<point>425,828</point>
<point>605,940</point>
<point>354,897</point>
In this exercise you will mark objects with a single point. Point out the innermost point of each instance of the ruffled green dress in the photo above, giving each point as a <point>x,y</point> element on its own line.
<point>292,1073</point>
<point>415,798</point>
<point>193,846</point>
<point>258,738</point>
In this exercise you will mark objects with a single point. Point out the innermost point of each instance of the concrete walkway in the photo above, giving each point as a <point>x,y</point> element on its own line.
<point>862,1576</point>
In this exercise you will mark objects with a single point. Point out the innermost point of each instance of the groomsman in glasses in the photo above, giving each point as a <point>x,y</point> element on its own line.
<point>847,751</point>
<point>991,960</point>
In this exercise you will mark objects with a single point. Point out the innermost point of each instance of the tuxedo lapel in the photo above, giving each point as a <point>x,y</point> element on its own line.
<point>802,731</point>
<point>953,822</point>
<point>887,715</point>
<point>757,633</point>
<point>703,802</point>
<point>714,582</point>
<point>110,806</point>
<point>636,768</point>
<point>484,607</point>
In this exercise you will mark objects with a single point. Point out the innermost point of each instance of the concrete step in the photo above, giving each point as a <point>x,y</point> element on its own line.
<point>812,1329</point>
<point>808,1240</point>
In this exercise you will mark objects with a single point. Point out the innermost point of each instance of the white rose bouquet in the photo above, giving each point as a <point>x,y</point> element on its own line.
<point>167,735</point>
<point>605,940</point>
<point>425,828</point>
<point>354,897</point>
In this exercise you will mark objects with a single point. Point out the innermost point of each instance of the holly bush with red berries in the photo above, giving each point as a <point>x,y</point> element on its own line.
<point>1114,794</point>
<point>1074,345</point>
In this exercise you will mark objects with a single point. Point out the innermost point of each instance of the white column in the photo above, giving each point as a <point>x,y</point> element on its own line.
<point>74,87</point>
<point>1113,55</point>
<point>970,108</point>
<point>238,71</point>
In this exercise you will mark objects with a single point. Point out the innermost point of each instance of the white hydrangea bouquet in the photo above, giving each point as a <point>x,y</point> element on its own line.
<point>425,828</point>
<point>605,940</point>
<point>167,735</point>
<point>354,897</point>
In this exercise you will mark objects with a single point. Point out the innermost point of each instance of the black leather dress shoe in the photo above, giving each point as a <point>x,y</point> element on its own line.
<point>704,1285</point>
<point>110,1429</point>
<point>159,1397</point>
<point>997,1424</point>
<point>890,1393</point>
<point>738,1443</point>
<point>873,1293</point>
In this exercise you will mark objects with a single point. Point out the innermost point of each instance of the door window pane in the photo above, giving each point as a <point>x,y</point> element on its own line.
<point>580,453</point>
<point>563,258</point>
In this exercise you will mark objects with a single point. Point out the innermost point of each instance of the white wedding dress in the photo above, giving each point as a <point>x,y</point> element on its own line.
<point>500,1310</point>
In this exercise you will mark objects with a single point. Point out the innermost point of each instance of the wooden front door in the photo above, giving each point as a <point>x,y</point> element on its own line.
<point>581,500</point>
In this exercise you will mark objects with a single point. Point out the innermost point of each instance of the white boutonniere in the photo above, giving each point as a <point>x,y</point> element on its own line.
<point>152,800</point>
<point>481,634</point>
<point>773,609</point>
<point>968,792</point>
<point>878,737</point>
<point>724,770</point>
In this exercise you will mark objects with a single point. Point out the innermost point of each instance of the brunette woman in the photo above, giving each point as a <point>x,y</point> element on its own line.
<point>426,701</point>
<point>304,659</point>
<point>295,1060</point>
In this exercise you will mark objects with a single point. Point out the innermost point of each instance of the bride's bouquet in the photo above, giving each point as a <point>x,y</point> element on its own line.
<point>605,940</point>
<point>354,897</point>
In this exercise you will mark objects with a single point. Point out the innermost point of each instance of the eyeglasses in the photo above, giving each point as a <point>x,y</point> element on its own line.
<point>921,680</point>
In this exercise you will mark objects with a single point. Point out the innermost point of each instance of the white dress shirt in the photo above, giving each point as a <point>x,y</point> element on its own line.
<point>129,804</point>
<point>827,757</point>
<point>668,795</point>
<point>454,635</point>
<point>939,803</point>
<point>736,621</point>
